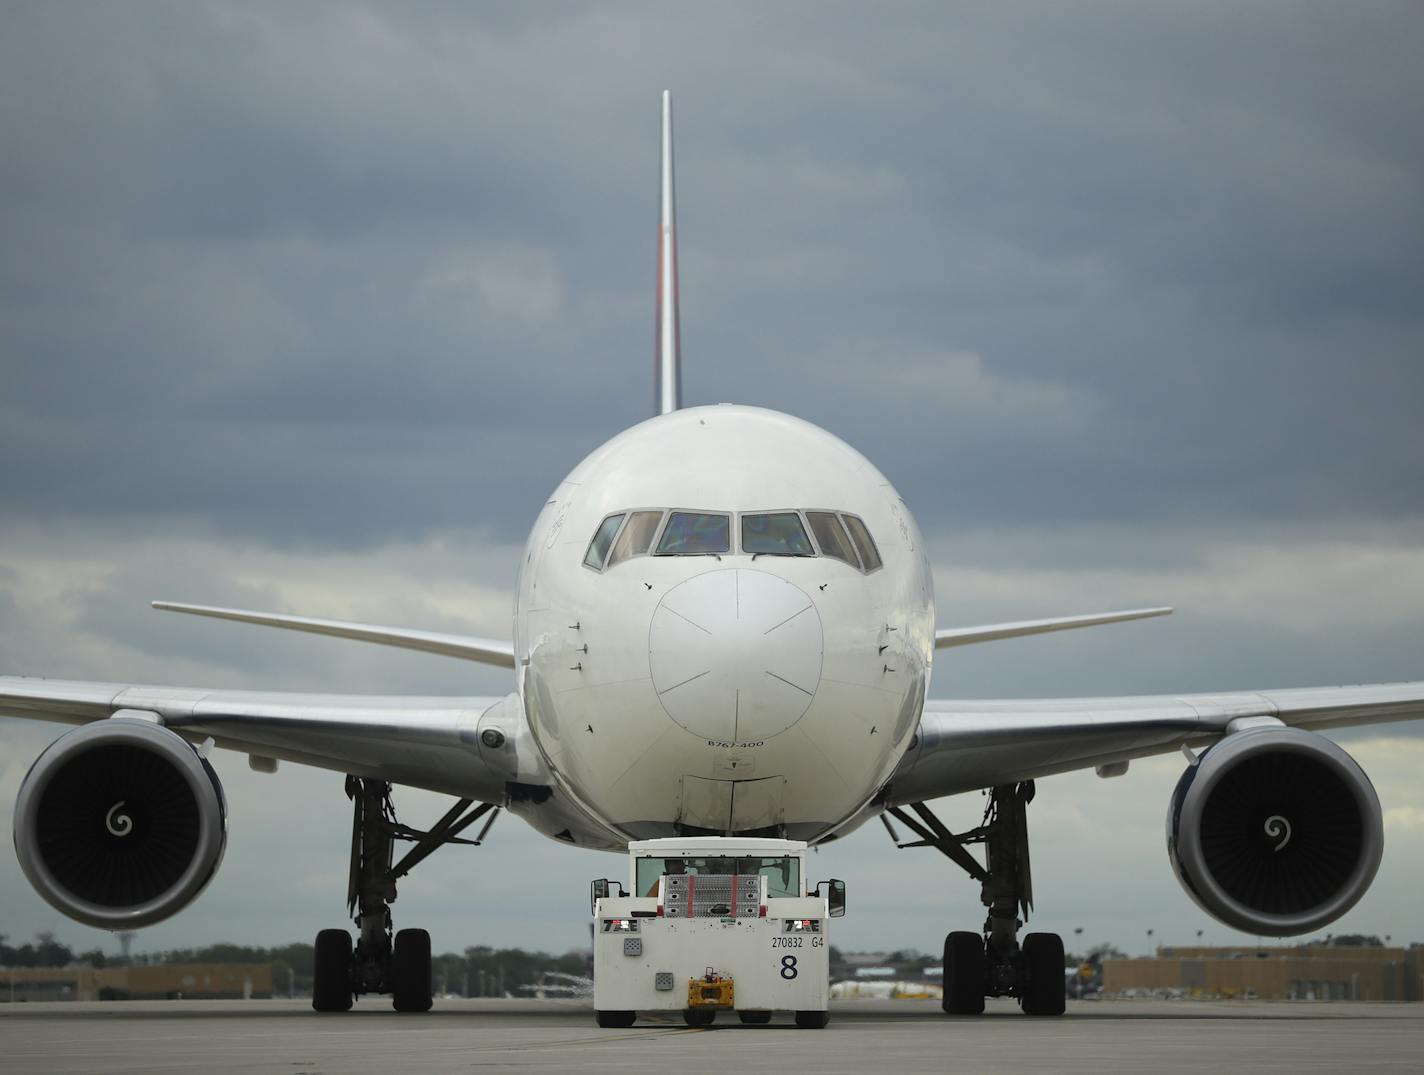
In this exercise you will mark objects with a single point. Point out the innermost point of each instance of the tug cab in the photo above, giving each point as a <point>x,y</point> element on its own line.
<point>714,924</point>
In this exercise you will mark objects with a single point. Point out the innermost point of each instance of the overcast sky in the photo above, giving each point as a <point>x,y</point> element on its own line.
<point>308,308</point>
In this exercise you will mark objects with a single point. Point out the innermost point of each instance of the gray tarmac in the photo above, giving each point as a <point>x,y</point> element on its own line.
<point>559,1035</point>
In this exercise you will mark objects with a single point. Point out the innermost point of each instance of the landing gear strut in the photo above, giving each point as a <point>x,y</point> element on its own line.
<point>995,963</point>
<point>384,961</point>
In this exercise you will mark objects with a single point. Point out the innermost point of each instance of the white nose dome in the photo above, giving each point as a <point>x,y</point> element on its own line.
<point>735,654</point>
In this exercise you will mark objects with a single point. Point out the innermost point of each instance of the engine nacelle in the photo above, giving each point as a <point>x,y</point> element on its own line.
<point>120,824</point>
<point>1275,831</point>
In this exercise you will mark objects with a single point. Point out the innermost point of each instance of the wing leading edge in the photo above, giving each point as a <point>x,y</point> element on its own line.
<point>428,743</point>
<point>472,748</point>
<point>968,745</point>
<point>965,636</point>
<point>484,650</point>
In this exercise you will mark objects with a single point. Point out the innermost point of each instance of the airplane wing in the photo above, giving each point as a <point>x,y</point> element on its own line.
<point>966,636</point>
<point>430,743</point>
<point>968,745</point>
<point>484,650</point>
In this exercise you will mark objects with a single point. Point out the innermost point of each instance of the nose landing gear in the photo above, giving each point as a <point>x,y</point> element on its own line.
<point>384,961</point>
<point>995,963</point>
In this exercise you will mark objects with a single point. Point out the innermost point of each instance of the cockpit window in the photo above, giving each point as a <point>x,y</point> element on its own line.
<point>869,555</point>
<point>627,534</point>
<point>598,547</point>
<point>775,534</point>
<point>690,533</point>
<point>637,536</point>
<point>831,536</point>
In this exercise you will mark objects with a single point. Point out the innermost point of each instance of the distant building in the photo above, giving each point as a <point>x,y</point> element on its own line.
<point>1305,972</point>
<point>190,981</point>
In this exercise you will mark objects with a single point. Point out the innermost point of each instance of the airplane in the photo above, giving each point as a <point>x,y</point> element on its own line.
<point>724,624</point>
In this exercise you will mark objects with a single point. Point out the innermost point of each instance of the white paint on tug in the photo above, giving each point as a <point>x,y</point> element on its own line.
<point>730,693</point>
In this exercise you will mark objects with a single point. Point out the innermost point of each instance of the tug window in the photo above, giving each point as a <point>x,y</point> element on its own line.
<point>777,534</point>
<point>692,533</point>
<point>598,547</point>
<point>637,536</point>
<point>831,536</point>
<point>783,874</point>
<point>869,555</point>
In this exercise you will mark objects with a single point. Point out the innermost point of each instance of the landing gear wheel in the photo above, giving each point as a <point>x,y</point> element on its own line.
<point>755,1016</point>
<point>1043,989</point>
<point>965,974</point>
<point>410,971</point>
<point>615,1019</point>
<point>698,1016</point>
<point>331,981</point>
<point>812,1020</point>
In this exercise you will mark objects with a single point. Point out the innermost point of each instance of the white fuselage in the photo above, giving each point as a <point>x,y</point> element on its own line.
<point>728,693</point>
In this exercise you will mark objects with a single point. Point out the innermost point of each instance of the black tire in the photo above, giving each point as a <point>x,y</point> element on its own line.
<point>410,971</point>
<point>965,974</point>
<point>1044,987</point>
<point>331,966</point>
<point>699,1016</point>
<point>615,1019</point>
<point>812,1020</point>
<point>755,1016</point>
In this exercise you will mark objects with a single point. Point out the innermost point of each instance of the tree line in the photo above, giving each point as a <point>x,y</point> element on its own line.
<point>478,971</point>
<point>481,970</point>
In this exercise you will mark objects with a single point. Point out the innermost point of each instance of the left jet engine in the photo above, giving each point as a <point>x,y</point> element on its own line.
<point>120,824</point>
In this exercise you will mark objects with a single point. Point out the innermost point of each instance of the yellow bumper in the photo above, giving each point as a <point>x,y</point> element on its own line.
<point>710,993</point>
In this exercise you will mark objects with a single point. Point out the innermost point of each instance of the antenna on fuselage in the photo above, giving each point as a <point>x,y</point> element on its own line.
<point>667,360</point>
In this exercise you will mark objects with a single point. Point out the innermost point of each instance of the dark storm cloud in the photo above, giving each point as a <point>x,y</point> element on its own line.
<point>265,267</point>
<point>307,307</point>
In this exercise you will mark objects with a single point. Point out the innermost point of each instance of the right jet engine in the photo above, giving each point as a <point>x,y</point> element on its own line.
<point>120,823</point>
<point>1275,831</point>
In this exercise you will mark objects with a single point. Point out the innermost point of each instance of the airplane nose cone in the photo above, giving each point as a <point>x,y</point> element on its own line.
<point>735,654</point>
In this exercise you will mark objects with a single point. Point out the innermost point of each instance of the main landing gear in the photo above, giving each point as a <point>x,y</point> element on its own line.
<point>384,961</point>
<point>994,963</point>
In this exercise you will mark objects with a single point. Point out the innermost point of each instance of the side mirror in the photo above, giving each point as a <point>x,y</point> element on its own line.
<point>602,889</point>
<point>835,896</point>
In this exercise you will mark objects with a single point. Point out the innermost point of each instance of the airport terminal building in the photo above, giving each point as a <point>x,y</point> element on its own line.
<point>1305,972</point>
<point>169,981</point>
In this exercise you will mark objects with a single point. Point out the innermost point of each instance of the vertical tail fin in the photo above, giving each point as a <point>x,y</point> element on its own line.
<point>667,357</point>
